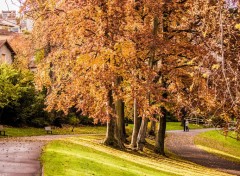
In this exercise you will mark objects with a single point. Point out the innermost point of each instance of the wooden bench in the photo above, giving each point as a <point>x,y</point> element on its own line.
<point>2,130</point>
<point>48,129</point>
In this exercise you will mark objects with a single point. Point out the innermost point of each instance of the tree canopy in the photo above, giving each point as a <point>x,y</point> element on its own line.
<point>163,55</point>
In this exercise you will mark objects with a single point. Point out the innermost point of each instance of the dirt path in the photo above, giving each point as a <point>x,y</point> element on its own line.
<point>182,144</point>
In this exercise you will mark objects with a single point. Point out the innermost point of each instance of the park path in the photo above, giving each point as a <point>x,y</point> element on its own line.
<point>182,144</point>
<point>20,156</point>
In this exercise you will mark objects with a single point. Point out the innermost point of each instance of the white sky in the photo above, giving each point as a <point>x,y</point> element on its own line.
<point>10,5</point>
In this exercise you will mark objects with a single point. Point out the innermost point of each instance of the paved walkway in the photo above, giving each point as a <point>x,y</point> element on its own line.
<point>20,156</point>
<point>182,144</point>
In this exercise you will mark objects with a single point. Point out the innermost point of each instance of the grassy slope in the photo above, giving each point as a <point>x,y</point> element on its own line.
<point>86,156</point>
<point>216,143</point>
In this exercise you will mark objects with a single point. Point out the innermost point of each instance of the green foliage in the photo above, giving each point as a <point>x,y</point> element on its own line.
<point>171,118</point>
<point>73,120</point>
<point>13,84</point>
<point>21,103</point>
<point>39,55</point>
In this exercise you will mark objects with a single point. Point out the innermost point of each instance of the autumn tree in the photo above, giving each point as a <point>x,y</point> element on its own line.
<point>154,56</point>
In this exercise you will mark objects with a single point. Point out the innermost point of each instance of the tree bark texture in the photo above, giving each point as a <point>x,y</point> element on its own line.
<point>152,130</point>
<point>142,134</point>
<point>159,145</point>
<point>119,107</point>
<point>112,135</point>
<point>136,127</point>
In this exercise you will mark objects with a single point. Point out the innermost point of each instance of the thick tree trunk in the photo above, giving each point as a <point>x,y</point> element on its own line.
<point>141,139</point>
<point>136,127</point>
<point>152,128</point>
<point>112,135</point>
<point>119,105</point>
<point>159,145</point>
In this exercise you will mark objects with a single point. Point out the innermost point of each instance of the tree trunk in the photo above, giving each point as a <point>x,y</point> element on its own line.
<point>152,128</point>
<point>142,134</point>
<point>112,135</point>
<point>119,105</point>
<point>136,127</point>
<point>159,145</point>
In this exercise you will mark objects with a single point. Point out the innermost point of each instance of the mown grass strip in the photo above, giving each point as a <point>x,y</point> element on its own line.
<point>216,143</point>
<point>86,156</point>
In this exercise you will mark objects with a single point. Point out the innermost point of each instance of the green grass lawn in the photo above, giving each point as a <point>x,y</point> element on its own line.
<point>28,131</point>
<point>170,126</point>
<point>177,126</point>
<point>20,132</point>
<point>216,143</point>
<point>86,156</point>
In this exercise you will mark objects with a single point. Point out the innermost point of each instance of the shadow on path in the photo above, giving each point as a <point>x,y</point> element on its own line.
<point>182,144</point>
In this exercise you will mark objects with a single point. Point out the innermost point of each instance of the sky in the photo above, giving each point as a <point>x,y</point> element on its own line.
<point>9,5</point>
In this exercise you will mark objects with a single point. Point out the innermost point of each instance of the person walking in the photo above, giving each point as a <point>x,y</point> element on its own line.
<point>186,125</point>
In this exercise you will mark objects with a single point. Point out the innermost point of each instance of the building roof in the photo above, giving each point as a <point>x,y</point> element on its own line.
<point>7,23</point>
<point>5,32</point>
<point>5,42</point>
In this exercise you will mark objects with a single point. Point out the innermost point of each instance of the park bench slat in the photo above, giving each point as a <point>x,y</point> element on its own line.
<point>48,129</point>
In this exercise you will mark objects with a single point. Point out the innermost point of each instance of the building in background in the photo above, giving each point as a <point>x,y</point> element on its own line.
<point>9,26</point>
<point>9,21</point>
<point>6,52</point>
<point>10,16</point>
<point>26,25</point>
<point>6,35</point>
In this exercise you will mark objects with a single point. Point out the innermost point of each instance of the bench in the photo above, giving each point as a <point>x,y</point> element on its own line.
<point>48,129</point>
<point>2,130</point>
